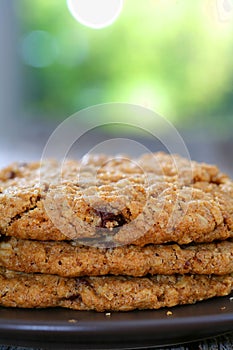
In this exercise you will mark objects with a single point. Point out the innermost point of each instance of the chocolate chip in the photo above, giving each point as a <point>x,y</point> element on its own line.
<point>187,264</point>
<point>107,217</point>
<point>11,175</point>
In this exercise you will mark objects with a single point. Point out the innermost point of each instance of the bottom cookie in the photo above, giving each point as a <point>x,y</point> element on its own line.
<point>108,293</point>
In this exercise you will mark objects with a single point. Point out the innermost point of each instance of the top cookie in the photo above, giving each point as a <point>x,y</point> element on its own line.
<point>109,201</point>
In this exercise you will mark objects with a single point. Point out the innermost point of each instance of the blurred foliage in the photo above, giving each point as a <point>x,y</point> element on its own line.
<point>172,56</point>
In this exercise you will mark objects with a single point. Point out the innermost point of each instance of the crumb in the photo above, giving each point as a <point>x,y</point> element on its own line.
<point>72,321</point>
<point>169,313</point>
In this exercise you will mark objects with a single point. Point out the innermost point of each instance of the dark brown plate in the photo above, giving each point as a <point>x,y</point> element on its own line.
<point>66,329</point>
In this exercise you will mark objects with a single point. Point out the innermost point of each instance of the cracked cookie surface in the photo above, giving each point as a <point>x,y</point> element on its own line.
<point>108,293</point>
<point>156,198</point>
<point>68,260</point>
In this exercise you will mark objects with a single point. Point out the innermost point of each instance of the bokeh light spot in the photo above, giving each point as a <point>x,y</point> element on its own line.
<point>95,13</point>
<point>73,55</point>
<point>39,49</point>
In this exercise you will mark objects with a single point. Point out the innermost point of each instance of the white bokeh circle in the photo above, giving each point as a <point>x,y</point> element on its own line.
<point>95,13</point>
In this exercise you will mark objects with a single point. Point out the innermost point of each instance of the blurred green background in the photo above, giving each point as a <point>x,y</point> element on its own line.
<point>173,56</point>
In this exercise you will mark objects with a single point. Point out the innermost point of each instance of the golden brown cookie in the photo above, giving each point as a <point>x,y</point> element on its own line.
<point>151,199</point>
<point>66,259</point>
<point>108,293</point>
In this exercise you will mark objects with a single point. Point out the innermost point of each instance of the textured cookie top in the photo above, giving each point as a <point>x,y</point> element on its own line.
<point>156,198</point>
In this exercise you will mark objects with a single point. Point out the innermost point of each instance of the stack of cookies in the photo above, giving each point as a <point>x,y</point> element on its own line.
<point>115,233</point>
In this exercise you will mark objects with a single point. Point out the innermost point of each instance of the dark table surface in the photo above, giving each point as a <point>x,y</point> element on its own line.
<point>223,342</point>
